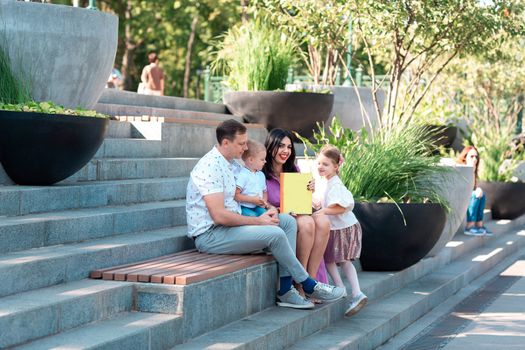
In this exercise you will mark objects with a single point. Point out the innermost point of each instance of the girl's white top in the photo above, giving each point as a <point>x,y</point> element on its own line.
<point>337,193</point>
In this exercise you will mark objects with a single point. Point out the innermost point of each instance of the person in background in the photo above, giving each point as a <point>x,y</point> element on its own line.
<point>152,77</point>
<point>470,156</point>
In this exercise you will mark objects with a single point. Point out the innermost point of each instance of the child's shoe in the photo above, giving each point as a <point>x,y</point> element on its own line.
<point>357,304</point>
<point>473,231</point>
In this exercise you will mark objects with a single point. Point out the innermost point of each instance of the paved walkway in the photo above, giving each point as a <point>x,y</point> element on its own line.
<point>501,325</point>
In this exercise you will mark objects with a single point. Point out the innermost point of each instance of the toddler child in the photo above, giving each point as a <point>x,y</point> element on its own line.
<point>251,183</point>
<point>344,244</point>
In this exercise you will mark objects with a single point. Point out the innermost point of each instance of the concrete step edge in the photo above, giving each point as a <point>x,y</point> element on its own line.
<point>127,330</point>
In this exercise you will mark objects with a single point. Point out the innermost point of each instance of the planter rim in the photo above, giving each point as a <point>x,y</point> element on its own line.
<point>24,114</point>
<point>263,92</point>
<point>59,7</point>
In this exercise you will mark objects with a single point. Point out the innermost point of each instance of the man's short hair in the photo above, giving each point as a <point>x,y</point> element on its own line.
<point>228,129</point>
<point>152,57</point>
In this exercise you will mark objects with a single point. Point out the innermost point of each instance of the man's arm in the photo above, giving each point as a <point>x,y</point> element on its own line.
<point>221,216</point>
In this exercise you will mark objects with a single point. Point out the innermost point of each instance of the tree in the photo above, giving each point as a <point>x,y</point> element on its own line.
<point>418,39</point>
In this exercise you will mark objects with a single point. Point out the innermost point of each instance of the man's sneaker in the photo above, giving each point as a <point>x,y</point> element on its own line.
<point>485,231</point>
<point>474,231</point>
<point>293,299</point>
<point>326,292</point>
<point>357,304</point>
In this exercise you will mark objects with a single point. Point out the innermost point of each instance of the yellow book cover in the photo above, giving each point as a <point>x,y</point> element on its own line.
<point>295,196</point>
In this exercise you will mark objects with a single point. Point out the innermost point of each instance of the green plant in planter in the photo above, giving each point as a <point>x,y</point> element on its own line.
<point>49,108</point>
<point>392,165</point>
<point>255,56</point>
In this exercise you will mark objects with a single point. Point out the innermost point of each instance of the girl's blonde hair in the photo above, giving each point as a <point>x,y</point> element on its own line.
<point>332,153</point>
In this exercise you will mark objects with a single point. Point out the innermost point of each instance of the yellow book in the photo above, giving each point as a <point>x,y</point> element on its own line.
<point>295,196</point>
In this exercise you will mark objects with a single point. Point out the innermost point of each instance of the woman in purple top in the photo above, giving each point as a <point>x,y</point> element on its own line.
<point>312,231</point>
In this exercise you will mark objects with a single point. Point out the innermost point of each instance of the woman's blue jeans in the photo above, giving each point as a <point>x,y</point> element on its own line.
<point>475,208</point>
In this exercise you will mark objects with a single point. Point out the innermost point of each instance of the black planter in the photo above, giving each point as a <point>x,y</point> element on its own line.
<point>389,245</point>
<point>42,149</point>
<point>506,200</point>
<point>442,135</point>
<point>294,111</point>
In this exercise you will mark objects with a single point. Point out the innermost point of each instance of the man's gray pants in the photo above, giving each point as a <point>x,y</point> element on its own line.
<point>280,240</point>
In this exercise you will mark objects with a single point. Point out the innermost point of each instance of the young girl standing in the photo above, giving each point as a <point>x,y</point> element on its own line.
<point>344,244</point>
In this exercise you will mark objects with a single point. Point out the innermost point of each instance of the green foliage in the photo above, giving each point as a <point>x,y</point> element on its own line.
<point>12,89</point>
<point>49,108</point>
<point>397,165</point>
<point>321,26</point>
<point>256,57</point>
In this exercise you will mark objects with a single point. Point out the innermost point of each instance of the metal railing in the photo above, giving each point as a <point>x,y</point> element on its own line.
<point>214,86</point>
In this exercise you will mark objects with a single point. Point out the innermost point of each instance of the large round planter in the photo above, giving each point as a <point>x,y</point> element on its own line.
<point>504,199</point>
<point>294,111</point>
<point>65,53</point>
<point>389,245</point>
<point>442,135</point>
<point>42,149</point>
<point>456,188</point>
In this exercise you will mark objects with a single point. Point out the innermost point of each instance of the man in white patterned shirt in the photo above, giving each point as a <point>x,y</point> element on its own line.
<point>217,226</point>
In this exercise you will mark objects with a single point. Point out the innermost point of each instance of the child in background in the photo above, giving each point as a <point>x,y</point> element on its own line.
<point>251,183</point>
<point>344,244</point>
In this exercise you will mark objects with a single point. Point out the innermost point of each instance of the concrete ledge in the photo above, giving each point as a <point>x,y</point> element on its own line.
<point>113,96</point>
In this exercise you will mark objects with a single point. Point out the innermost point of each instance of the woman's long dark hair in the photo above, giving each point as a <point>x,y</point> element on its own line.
<point>273,140</point>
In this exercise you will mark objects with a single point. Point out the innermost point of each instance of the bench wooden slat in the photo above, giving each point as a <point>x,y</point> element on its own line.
<point>132,275</point>
<point>182,268</point>
<point>220,270</point>
<point>145,275</point>
<point>96,274</point>
<point>110,274</point>
<point>212,260</point>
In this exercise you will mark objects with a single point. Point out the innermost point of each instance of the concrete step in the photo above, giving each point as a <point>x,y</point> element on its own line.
<point>59,308</point>
<point>120,110</point>
<point>48,229</point>
<point>114,96</point>
<point>23,200</point>
<point>117,129</point>
<point>212,303</point>
<point>133,168</point>
<point>47,266</point>
<point>426,284</point>
<point>129,148</point>
<point>126,331</point>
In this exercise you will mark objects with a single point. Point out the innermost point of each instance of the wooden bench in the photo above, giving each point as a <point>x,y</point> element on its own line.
<point>183,268</point>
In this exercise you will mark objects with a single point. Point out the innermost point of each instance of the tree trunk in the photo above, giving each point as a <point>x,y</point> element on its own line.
<point>129,49</point>
<point>244,10</point>
<point>187,68</point>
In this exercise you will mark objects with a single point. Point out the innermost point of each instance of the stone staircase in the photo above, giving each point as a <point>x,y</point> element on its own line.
<point>127,205</point>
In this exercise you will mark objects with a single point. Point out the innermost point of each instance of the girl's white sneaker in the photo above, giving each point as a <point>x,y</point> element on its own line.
<point>357,304</point>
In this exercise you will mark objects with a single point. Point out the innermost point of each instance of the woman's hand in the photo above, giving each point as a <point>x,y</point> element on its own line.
<point>311,185</point>
<point>478,192</point>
